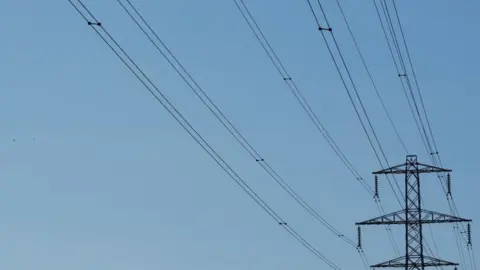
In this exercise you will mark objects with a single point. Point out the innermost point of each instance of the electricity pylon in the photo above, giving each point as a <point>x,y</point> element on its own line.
<point>412,216</point>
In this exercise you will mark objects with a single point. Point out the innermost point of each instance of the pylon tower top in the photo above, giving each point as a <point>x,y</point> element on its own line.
<point>413,217</point>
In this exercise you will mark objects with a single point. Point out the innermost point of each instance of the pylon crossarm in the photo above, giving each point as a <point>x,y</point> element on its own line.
<point>413,216</point>
<point>397,262</point>
<point>428,217</point>
<point>435,217</point>
<point>406,167</point>
<point>392,218</point>
<point>399,169</point>
<point>431,169</point>
<point>400,262</point>
<point>422,168</point>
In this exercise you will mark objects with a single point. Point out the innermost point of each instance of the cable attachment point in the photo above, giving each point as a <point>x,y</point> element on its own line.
<point>469,234</point>
<point>282,223</point>
<point>259,160</point>
<point>449,185</point>
<point>325,29</point>
<point>434,153</point>
<point>376,187</point>
<point>402,75</point>
<point>287,79</point>
<point>359,238</point>
<point>95,23</point>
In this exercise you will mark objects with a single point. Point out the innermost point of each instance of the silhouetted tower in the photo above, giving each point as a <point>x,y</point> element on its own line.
<point>413,217</point>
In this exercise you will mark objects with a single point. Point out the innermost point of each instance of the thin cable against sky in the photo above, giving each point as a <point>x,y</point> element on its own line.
<point>221,117</point>
<point>171,109</point>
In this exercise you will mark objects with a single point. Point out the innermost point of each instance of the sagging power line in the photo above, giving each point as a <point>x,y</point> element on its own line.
<point>163,49</point>
<point>133,67</point>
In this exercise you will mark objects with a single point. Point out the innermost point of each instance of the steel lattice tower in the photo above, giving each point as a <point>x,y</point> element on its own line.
<point>412,216</point>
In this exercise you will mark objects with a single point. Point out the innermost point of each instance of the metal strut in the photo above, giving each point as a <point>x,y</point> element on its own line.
<point>413,217</point>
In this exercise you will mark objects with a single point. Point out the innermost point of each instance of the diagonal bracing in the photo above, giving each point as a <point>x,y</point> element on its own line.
<point>413,217</point>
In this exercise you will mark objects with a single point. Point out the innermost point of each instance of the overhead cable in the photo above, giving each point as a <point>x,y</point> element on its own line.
<point>98,27</point>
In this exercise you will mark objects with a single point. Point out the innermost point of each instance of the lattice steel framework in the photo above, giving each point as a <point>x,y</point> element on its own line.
<point>413,217</point>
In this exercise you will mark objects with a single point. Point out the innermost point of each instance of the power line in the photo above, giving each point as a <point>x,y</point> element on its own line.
<point>399,73</point>
<point>267,47</point>
<point>328,28</point>
<point>431,148</point>
<point>171,109</point>
<point>473,259</point>
<point>414,76</point>
<point>248,17</point>
<point>399,55</point>
<point>413,216</point>
<point>231,128</point>
<point>380,98</point>
<point>290,82</point>
<point>404,74</point>
<point>371,77</point>
<point>459,246</point>
<point>281,65</point>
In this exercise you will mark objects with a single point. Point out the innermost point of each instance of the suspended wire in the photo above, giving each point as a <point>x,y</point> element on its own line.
<point>473,259</point>
<point>401,70</point>
<point>470,258</point>
<point>290,82</point>
<point>381,100</point>
<point>391,29</point>
<point>171,109</point>
<point>354,105</point>
<point>402,73</point>
<point>287,78</point>
<point>388,229</point>
<point>437,253</point>
<point>370,76</point>
<point>365,262</point>
<point>420,124</point>
<point>378,95</point>
<point>459,247</point>
<point>207,101</point>
<point>399,73</point>
<point>337,66</point>
<point>431,148</point>
<point>248,17</point>
<point>383,106</point>
<point>392,32</point>
<point>414,76</point>
<point>329,29</point>
<point>405,73</point>
<point>280,67</point>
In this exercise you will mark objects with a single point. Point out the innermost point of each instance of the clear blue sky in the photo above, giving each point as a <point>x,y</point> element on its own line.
<point>100,177</point>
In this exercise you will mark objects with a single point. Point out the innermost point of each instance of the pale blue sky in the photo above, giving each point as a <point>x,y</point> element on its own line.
<point>112,182</point>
